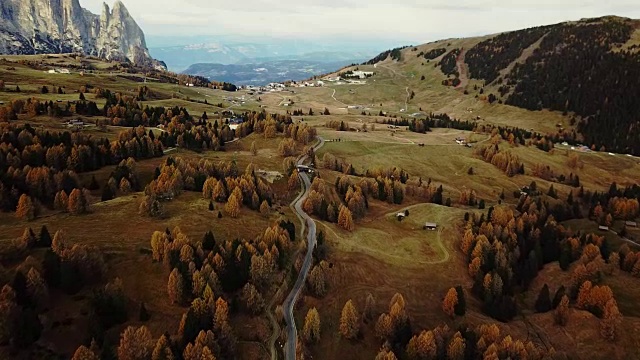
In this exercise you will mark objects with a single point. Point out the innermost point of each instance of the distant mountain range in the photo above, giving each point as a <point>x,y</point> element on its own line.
<point>266,72</point>
<point>179,58</point>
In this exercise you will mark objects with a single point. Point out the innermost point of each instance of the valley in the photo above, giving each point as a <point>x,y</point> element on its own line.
<point>439,206</point>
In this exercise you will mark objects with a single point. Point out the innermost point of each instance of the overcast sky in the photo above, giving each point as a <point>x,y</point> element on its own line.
<point>408,21</point>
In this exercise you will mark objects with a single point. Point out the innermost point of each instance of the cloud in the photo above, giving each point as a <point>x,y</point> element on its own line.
<point>410,20</point>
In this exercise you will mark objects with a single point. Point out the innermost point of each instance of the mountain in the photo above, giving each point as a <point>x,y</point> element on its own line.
<point>63,26</point>
<point>178,58</point>
<point>587,69</point>
<point>265,72</point>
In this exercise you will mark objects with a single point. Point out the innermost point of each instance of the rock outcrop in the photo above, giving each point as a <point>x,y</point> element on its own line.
<point>63,26</point>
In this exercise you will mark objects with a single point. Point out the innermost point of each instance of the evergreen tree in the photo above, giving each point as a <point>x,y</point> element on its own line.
<point>543,303</point>
<point>44,238</point>
<point>143,313</point>
<point>107,193</point>
<point>558,296</point>
<point>461,307</point>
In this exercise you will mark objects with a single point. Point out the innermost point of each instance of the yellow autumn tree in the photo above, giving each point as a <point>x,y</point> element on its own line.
<point>84,353</point>
<point>135,344</point>
<point>232,207</point>
<point>175,287</point>
<point>311,330</point>
<point>422,346</point>
<point>349,321</point>
<point>345,219</point>
<point>456,348</point>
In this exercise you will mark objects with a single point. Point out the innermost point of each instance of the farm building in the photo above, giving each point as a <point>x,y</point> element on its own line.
<point>430,226</point>
<point>603,228</point>
<point>631,224</point>
<point>400,216</point>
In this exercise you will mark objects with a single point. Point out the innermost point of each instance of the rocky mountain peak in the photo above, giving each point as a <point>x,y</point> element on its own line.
<point>63,26</point>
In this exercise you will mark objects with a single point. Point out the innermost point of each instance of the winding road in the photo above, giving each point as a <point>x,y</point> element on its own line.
<point>290,347</point>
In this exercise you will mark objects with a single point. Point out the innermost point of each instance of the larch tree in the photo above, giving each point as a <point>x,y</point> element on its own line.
<point>422,346</point>
<point>294,180</point>
<point>456,348</point>
<point>162,350</point>
<point>386,354</point>
<point>135,344</point>
<point>26,208</point>
<point>77,202</point>
<point>61,201</point>
<point>311,330</point>
<point>58,245</point>
<point>610,320</point>
<point>37,288</point>
<point>345,219</point>
<point>449,303</point>
<point>125,186</point>
<point>84,353</point>
<point>264,208</point>
<point>317,281</point>
<point>369,303</point>
<point>349,321</point>
<point>252,298</point>
<point>157,245</point>
<point>175,287</point>
<point>232,207</point>
<point>561,315</point>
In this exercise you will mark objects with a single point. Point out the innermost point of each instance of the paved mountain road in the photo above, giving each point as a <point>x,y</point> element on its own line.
<point>290,347</point>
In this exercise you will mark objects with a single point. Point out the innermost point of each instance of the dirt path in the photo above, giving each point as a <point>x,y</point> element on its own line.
<point>333,96</point>
<point>522,58</point>
<point>463,70</point>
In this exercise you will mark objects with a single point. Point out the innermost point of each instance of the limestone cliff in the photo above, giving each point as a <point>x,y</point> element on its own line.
<point>63,26</point>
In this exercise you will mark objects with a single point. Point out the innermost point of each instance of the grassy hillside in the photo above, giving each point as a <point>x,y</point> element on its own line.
<point>586,70</point>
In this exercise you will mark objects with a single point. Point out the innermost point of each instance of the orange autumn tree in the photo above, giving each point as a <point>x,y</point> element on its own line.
<point>449,303</point>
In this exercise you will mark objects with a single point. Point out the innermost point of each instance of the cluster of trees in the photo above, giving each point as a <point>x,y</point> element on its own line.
<point>505,251</point>
<point>584,290</point>
<point>247,189</point>
<point>124,178</point>
<point>503,160</point>
<point>395,54</point>
<point>482,342</point>
<point>437,121</point>
<point>546,173</point>
<point>433,53</point>
<point>41,164</point>
<point>63,267</point>
<point>337,125</point>
<point>449,63</point>
<point>616,203</point>
<point>217,182</point>
<point>206,272</point>
<point>324,203</point>
<point>488,57</point>
<point>567,52</point>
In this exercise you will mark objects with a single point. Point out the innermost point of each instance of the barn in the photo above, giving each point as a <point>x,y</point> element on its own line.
<point>430,226</point>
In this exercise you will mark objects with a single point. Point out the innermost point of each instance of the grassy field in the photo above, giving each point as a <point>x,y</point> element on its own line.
<point>382,257</point>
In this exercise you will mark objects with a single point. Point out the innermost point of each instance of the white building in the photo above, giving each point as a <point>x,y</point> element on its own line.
<point>361,74</point>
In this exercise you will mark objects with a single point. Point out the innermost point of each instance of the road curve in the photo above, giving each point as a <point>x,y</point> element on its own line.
<point>290,347</point>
